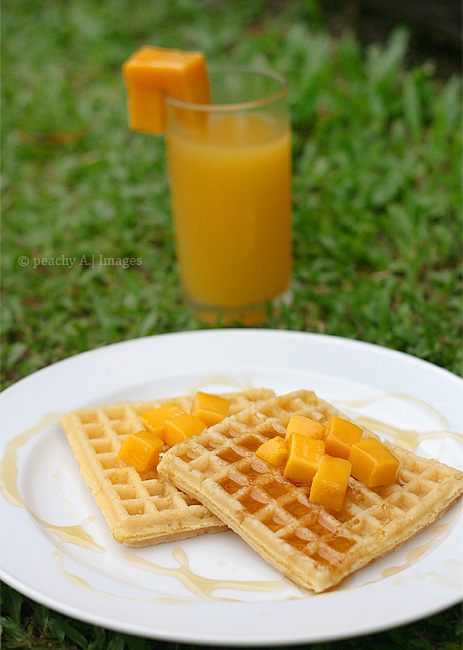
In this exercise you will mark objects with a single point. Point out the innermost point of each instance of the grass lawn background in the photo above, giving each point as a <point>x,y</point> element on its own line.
<point>376,219</point>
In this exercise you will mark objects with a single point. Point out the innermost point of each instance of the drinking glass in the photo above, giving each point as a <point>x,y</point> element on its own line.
<point>230,181</point>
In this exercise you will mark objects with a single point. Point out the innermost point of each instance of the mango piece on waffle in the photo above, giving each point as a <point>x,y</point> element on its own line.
<point>314,546</point>
<point>140,508</point>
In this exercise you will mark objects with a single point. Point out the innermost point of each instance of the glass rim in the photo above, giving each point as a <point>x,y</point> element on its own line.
<point>234,106</point>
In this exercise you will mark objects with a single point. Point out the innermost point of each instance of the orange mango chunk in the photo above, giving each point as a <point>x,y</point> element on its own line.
<point>329,485</point>
<point>273,451</point>
<point>340,436</point>
<point>211,409</point>
<point>141,450</point>
<point>305,426</point>
<point>181,427</point>
<point>305,454</point>
<point>373,463</point>
<point>154,419</point>
<point>152,72</point>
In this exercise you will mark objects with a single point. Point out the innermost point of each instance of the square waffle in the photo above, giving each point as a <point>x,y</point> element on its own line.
<point>311,545</point>
<point>141,509</point>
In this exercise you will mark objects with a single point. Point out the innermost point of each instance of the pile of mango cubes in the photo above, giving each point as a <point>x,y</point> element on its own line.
<point>325,456</point>
<point>169,424</point>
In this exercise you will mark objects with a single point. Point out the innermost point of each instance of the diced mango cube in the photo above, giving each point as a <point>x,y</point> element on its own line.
<point>273,451</point>
<point>340,435</point>
<point>182,427</point>
<point>329,484</point>
<point>154,419</point>
<point>306,426</point>
<point>211,409</point>
<point>373,463</point>
<point>152,71</point>
<point>141,450</point>
<point>305,454</point>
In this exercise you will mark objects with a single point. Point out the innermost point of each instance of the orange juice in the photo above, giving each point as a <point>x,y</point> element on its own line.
<point>231,197</point>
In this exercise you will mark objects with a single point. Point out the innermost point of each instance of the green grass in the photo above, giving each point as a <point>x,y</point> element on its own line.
<point>377,205</point>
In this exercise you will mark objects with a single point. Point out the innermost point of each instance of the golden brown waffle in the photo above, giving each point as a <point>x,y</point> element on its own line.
<point>140,509</point>
<point>312,546</point>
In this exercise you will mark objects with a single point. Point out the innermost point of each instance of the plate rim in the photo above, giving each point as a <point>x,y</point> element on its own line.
<point>187,637</point>
<point>237,332</point>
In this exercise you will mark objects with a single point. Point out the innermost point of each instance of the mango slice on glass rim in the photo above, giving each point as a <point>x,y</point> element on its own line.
<point>152,72</point>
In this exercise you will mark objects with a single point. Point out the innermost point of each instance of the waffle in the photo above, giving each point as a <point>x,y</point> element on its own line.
<point>140,509</point>
<point>313,546</point>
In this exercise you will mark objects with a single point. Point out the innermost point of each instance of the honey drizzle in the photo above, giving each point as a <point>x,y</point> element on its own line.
<point>438,530</point>
<point>407,438</point>
<point>73,534</point>
<point>200,585</point>
<point>219,379</point>
<point>81,583</point>
<point>359,403</point>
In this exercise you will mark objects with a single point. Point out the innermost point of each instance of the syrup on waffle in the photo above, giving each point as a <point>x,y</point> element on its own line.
<point>140,509</point>
<point>311,545</point>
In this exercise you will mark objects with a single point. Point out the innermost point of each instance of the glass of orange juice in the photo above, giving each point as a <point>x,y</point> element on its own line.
<point>230,180</point>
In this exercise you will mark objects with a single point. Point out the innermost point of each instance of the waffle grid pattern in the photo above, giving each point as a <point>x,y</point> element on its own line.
<point>140,509</point>
<point>314,547</point>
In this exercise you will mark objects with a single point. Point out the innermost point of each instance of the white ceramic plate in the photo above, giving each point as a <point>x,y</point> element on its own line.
<point>213,589</point>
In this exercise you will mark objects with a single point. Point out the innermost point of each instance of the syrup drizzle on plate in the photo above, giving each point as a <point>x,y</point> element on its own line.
<point>407,438</point>
<point>199,585</point>
<point>74,534</point>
